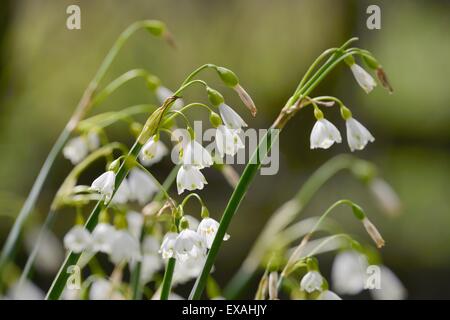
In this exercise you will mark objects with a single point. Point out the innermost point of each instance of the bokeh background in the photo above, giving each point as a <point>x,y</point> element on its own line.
<point>44,69</point>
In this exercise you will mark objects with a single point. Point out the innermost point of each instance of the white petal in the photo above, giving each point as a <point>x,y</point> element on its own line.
<point>230,117</point>
<point>357,135</point>
<point>311,282</point>
<point>196,155</point>
<point>228,141</point>
<point>105,184</point>
<point>167,246</point>
<point>77,239</point>
<point>190,178</point>
<point>76,150</point>
<point>363,78</point>
<point>324,134</point>
<point>152,152</point>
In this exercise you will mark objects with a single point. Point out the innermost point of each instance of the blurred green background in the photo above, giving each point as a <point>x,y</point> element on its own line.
<point>44,69</point>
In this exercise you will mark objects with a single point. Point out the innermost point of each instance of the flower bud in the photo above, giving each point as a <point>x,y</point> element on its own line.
<point>228,77</point>
<point>358,212</point>
<point>155,27</point>
<point>371,62</point>
<point>215,119</point>
<point>214,96</point>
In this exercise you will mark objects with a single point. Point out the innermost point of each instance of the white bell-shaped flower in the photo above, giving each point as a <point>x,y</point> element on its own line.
<point>124,247</point>
<point>228,140</point>
<point>348,273</point>
<point>311,282</point>
<point>195,155</point>
<point>190,178</point>
<point>77,239</point>
<point>328,295</point>
<point>167,246</point>
<point>162,93</point>
<point>103,237</point>
<point>230,117</point>
<point>135,221</point>
<point>208,229</point>
<point>189,244</point>
<point>142,187</point>
<point>391,288</point>
<point>105,184</point>
<point>76,149</point>
<point>324,134</point>
<point>357,135</point>
<point>363,78</point>
<point>152,152</point>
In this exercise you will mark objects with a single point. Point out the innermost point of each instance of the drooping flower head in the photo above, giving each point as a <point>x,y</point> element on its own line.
<point>208,229</point>
<point>190,178</point>
<point>105,184</point>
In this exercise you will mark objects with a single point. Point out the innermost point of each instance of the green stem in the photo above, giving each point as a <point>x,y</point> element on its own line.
<point>167,280</point>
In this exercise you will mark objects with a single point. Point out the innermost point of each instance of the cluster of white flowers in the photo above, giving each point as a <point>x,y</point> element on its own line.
<point>189,247</point>
<point>76,149</point>
<point>195,157</point>
<point>137,187</point>
<point>324,134</point>
<point>121,245</point>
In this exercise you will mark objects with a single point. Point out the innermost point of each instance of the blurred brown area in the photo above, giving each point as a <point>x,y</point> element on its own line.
<point>269,44</point>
